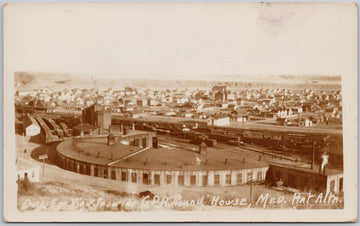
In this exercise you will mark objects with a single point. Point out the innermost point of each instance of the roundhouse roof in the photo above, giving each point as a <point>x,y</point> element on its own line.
<point>162,158</point>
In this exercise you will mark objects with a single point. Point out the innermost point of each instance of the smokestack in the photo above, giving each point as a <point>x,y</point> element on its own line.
<point>133,126</point>
<point>313,154</point>
<point>111,139</point>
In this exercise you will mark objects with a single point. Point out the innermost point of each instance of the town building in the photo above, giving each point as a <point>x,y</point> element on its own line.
<point>218,120</point>
<point>220,93</point>
<point>97,115</point>
<point>31,126</point>
<point>142,102</point>
<point>308,180</point>
<point>26,169</point>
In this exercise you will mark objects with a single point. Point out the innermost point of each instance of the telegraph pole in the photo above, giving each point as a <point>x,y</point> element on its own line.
<point>43,157</point>
<point>313,154</point>
<point>249,178</point>
<point>251,188</point>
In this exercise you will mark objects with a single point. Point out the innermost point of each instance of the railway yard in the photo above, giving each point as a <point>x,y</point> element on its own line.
<point>238,147</point>
<point>288,145</point>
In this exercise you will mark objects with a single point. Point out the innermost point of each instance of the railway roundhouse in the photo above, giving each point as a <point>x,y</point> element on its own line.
<point>137,157</point>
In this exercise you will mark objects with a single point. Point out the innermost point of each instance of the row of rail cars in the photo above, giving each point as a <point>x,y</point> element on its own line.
<point>300,142</point>
<point>52,131</point>
<point>47,135</point>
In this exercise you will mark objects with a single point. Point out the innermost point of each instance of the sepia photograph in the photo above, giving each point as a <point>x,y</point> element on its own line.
<point>180,112</point>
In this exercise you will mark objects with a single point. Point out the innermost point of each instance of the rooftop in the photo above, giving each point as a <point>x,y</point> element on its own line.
<point>328,171</point>
<point>22,164</point>
<point>85,126</point>
<point>163,158</point>
<point>29,120</point>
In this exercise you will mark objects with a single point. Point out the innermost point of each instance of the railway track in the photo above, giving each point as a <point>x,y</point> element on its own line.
<point>257,151</point>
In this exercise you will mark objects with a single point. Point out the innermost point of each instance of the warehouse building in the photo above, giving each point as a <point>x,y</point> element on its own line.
<point>308,180</point>
<point>97,115</point>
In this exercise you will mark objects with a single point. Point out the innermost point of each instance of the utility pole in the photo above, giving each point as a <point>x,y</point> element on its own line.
<point>251,188</point>
<point>313,154</point>
<point>43,157</point>
<point>43,167</point>
<point>23,142</point>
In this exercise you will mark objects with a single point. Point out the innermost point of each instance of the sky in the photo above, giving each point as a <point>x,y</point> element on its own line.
<point>201,41</point>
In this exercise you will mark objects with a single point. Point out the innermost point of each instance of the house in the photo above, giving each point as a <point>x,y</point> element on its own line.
<point>152,102</point>
<point>231,96</point>
<point>170,113</point>
<point>169,99</point>
<point>218,120</point>
<point>224,105</point>
<point>188,114</point>
<point>242,118</point>
<point>182,100</point>
<point>142,102</point>
<point>130,102</point>
<point>24,93</point>
<point>305,121</point>
<point>31,126</point>
<point>264,101</point>
<point>126,109</point>
<point>297,109</point>
<point>136,113</point>
<point>27,169</point>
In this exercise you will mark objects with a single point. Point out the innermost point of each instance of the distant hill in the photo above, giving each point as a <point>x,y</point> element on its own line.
<point>38,80</point>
